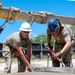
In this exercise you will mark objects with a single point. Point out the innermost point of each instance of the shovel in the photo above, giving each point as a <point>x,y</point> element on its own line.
<point>56,57</point>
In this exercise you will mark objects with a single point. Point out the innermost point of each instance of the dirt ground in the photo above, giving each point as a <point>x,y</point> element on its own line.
<point>36,63</point>
<point>38,73</point>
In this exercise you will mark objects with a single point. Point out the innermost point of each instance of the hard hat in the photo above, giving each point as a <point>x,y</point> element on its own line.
<point>53,24</point>
<point>25,27</point>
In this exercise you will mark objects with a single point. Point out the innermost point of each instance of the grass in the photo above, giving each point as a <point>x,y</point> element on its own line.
<point>32,58</point>
<point>2,60</point>
<point>14,59</point>
<point>73,56</point>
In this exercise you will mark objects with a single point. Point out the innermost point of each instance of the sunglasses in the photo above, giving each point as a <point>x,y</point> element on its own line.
<point>26,31</point>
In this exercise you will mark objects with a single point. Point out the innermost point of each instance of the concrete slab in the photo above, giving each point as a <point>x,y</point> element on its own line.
<point>36,63</point>
<point>37,73</point>
<point>70,70</point>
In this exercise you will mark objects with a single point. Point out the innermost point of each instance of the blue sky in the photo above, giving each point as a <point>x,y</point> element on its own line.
<point>58,7</point>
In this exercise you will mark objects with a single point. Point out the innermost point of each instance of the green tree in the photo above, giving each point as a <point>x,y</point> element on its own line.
<point>52,42</point>
<point>72,28</point>
<point>42,39</point>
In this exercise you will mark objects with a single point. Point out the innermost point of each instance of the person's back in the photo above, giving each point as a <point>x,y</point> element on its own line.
<point>15,40</point>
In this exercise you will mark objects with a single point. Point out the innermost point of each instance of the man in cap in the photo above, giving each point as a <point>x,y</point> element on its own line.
<point>62,42</point>
<point>14,45</point>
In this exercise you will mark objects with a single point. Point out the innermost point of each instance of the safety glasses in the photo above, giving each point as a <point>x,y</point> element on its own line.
<point>26,31</point>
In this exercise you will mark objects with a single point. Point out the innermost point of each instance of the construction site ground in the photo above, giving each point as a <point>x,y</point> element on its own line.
<point>35,63</point>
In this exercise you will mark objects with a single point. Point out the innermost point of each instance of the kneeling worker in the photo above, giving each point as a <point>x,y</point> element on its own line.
<point>13,45</point>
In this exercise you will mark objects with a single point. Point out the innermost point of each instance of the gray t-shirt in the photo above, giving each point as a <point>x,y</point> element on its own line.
<point>64,35</point>
<point>15,40</point>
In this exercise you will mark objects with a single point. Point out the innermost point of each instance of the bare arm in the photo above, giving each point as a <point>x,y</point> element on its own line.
<point>66,47</point>
<point>29,53</point>
<point>48,37</point>
<point>19,49</point>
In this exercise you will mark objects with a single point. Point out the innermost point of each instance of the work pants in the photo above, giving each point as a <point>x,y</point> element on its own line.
<point>7,53</point>
<point>66,57</point>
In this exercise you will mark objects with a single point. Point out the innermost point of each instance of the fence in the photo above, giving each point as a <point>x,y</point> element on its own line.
<point>38,49</point>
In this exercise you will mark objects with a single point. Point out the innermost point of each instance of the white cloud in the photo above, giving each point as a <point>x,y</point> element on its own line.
<point>35,35</point>
<point>32,34</point>
<point>70,0</point>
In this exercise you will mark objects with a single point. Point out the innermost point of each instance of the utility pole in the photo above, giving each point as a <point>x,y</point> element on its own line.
<point>41,53</point>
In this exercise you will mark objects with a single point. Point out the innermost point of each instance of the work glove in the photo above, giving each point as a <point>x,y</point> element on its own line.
<point>29,68</point>
<point>58,54</point>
